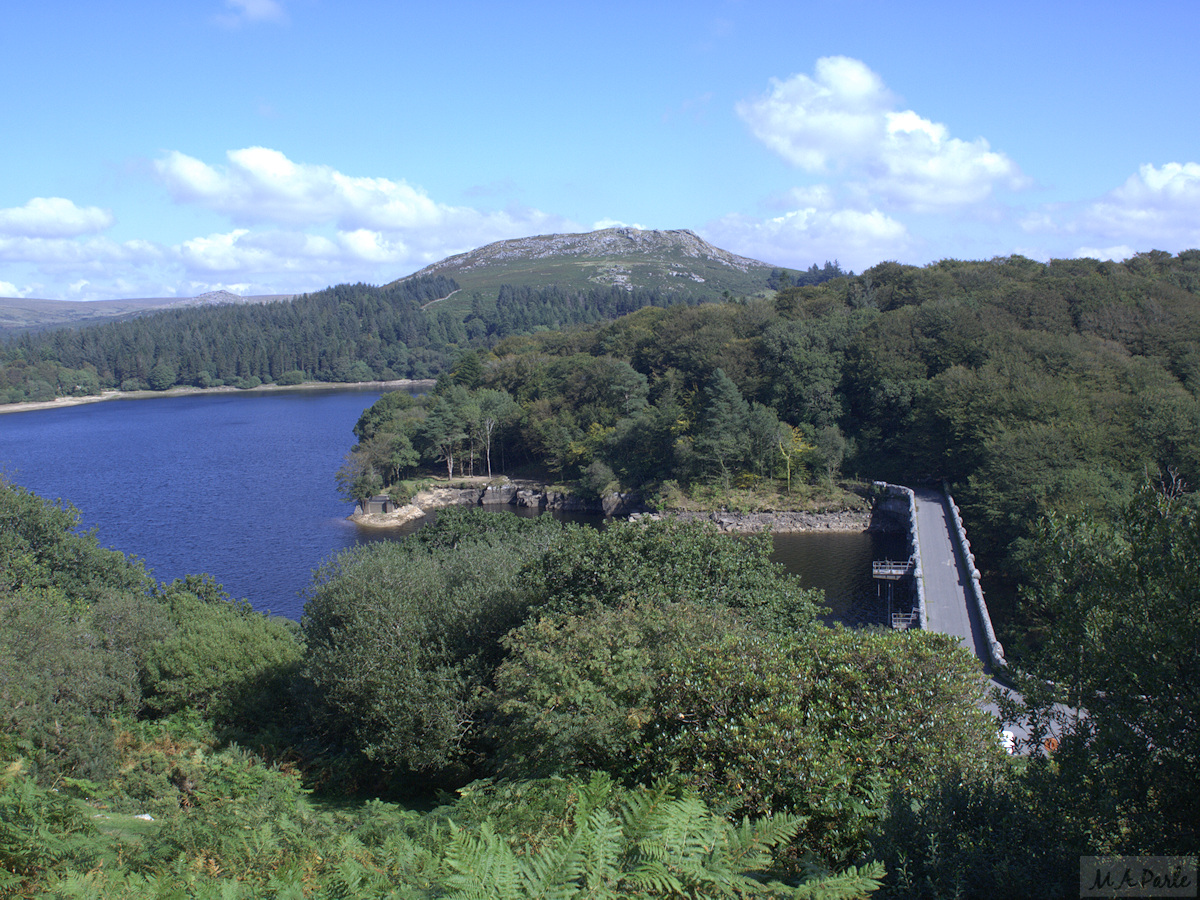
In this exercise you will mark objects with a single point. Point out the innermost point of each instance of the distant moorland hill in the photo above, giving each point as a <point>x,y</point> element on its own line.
<point>21,313</point>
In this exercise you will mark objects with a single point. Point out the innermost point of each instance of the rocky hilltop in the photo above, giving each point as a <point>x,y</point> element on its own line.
<point>675,262</point>
<point>606,243</point>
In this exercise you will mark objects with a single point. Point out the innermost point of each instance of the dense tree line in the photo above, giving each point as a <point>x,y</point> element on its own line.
<point>344,333</point>
<point>347,333</point>
<point>522,310</point>
<point>1030,387</point>
<point>814,274</point>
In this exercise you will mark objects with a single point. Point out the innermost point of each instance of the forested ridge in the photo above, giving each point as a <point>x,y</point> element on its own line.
<point>1031,388</point>
<point>347,333</point>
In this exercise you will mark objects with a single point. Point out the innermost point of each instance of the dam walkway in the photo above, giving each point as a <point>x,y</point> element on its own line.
<point>950,607</point>
<point>949,600</point>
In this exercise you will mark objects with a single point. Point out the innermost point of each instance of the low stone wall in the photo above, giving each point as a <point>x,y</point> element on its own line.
<point>903,499</point>
<point>995,650</point>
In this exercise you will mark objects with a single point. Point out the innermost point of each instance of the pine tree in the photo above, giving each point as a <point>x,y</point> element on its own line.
<point>722,442</point>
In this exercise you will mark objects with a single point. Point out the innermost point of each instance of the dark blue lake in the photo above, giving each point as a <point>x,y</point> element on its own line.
<point>241,486</point>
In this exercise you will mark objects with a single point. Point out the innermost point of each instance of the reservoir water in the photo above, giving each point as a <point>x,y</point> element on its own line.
<point>241,486</point>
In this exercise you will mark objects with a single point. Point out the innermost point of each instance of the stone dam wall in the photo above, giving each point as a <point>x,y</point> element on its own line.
<point>901,503</point>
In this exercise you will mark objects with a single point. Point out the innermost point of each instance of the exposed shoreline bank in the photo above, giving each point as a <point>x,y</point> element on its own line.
<point>65,402</point>
<point>777,521</point>
<point>533,495</point>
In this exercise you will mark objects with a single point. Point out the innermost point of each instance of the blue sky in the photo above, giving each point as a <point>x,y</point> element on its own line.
<point>158,149</point>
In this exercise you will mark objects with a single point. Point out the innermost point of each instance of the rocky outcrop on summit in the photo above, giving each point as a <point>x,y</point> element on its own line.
<point>606,243</point>
<point>213,298</point>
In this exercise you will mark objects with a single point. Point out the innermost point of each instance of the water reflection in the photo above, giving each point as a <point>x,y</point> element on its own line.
<point>839,563</point>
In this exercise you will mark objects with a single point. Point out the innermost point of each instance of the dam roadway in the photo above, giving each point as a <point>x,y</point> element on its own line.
<point>952,608</point>
<point>949,606</point>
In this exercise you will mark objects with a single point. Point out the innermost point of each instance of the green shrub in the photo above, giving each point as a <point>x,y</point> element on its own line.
<point>672,561</point>
<point>294,376</point>
<point>823,724</point>
<point>60,686</point>
<point>401,639</point>
<point>577,691</point>
<point>222,658</point>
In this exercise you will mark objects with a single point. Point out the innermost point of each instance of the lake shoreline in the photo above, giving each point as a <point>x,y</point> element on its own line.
<point>67,402</point>
<point>535,495</point>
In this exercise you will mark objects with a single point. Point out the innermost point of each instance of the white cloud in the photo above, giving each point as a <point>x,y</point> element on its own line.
<point>1117,254</point>
<point>1157,208</point>
<point>64,252</point>
<point>817,124</point>
<point>263,185</point>
<point>843,121</point>
<point>53,217</point>
<point>260,253</point>
<point>297,260</point>
<point>295,227</point>
<point>260,185</point>
<point>221,252</point>
<point>8,289</point>
<point>244,11</point>
<point>89,268</point>
<point>1160,205</point>
<point>857,239</point>
<point>372,246</point>
<point>818,196</point>
<point>616,223</point>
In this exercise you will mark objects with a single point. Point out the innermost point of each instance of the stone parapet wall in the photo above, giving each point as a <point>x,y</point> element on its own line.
<point>995,650</point>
